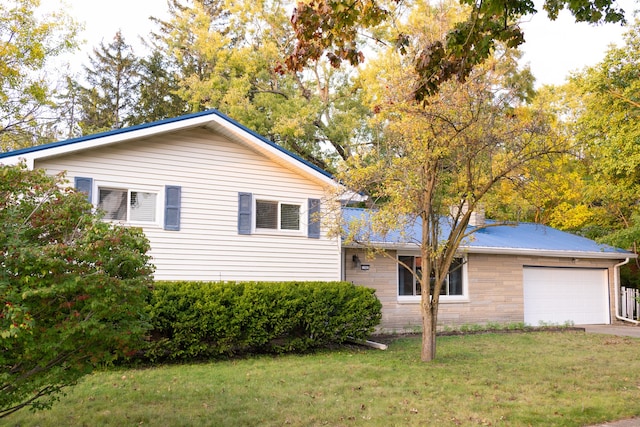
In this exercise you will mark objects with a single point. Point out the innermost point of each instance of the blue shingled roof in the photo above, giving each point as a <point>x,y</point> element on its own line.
<point>158,123</point>
<point>520,237</point>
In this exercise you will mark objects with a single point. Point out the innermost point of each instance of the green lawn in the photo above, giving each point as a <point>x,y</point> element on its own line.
<point>537,379</point>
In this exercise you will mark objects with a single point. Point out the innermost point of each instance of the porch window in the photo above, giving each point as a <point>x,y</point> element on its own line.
<point>409,285</point>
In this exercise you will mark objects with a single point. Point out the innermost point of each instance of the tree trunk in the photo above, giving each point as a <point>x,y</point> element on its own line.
<point>429,318</point>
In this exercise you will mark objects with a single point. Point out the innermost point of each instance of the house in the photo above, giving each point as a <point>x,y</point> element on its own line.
<point>216,200</point>
<point>504,274</point>
<point>219,202</point>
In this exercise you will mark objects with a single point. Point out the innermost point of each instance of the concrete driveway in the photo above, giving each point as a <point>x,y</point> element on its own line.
<point>620,330</point>
<point>632,422</point>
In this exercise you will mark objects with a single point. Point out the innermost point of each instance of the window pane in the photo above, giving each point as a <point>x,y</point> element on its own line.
<point>266,214</point>
<point>418,269</point>
<point>405,278</point>
<point>289,217</point>
<point>143,206</point>
<point>113,203</point>
<point>444,290</point>
<point>455,277</point>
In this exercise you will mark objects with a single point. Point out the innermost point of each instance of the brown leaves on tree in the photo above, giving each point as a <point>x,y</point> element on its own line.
<point>467,45</point>
<point>331,26</point>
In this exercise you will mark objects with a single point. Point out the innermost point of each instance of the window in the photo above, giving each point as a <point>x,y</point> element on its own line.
<point>256,215</point>
<point>277,216</point>
<point>409,286</point>
<point>127,205</point>
<point>407,283</point>
<point>138,207</point>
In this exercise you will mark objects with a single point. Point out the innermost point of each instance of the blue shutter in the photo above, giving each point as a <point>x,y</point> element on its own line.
<point>313,231</point>
<point>84,185</point>
<point>245,214</point>
<point>172,201</point>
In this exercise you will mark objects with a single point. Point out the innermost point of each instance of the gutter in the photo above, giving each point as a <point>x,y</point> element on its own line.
<point>616,286</point>
<point>544,252</point>
<point>505,251</point>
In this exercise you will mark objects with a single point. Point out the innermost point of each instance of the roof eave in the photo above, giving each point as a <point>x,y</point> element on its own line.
<point>505,251</point>
<point>547,252</point>
<point>105,138</point>
<point>211,119</point>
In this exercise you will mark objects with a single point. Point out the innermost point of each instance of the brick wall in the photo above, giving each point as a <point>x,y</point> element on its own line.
<point>494,283</point>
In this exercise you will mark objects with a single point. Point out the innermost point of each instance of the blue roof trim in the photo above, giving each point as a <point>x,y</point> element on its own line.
<point>212,112</point>
<point>101,135</point>
<point>519,236</point>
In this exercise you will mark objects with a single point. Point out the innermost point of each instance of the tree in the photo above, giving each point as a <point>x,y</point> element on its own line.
<point>333,27</point>
<point>73,288</point>
<point>606,127</point>
<point>231,59</point>
<point>195,43</point>
<point>158,91</point>
<point>69,109</point>
<point>28,40</point>
<point>437,161</point>
<point>109,100</point>
<point>548,190</point>
<point>317,113</point>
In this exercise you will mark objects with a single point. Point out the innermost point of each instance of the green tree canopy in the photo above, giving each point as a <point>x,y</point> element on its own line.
<point>109,99</point>
<point>607,112</point>
<point>158,91</point>
<point>548,190</point>
<point>230,57</point>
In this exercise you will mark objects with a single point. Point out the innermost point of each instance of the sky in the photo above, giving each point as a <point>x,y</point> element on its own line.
<point>553,49</point>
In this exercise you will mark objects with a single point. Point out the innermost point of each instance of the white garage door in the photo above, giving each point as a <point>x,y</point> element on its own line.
<point>558,295</point>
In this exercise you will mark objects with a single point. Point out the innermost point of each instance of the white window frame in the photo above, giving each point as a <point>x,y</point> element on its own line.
<point>158,191</point>
<point>415,299</point>
<point>278,230</point>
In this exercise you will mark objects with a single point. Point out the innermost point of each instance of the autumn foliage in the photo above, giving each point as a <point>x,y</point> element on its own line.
<point>72,288</point>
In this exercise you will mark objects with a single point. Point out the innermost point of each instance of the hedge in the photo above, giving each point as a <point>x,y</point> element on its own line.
<point>201,320</point>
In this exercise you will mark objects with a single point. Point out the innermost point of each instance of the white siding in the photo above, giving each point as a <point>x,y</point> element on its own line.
<point>212,171</point>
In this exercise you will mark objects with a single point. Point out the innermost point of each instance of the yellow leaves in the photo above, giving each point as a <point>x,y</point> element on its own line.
<point>569,217</point>
<point>28,38</point>
<point>293,126</point>
<point>192,33</point>
<point>548,191</point>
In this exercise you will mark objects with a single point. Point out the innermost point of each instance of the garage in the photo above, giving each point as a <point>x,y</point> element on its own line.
<point>558,295</point>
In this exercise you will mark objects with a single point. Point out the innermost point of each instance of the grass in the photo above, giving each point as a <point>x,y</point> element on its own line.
<point>497,379</point>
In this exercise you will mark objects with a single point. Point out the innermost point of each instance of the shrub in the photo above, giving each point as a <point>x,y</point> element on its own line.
<point>73,289</point>
<point>196,320</point>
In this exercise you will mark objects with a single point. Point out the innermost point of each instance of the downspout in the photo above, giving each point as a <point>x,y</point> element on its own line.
<point>616,285</point>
